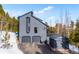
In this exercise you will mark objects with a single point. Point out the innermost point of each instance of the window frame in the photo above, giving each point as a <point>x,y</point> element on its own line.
<point>35,30</point>
<point>27,24</point>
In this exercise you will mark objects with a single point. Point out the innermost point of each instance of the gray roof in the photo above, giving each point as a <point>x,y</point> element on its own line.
<point>33,17</point>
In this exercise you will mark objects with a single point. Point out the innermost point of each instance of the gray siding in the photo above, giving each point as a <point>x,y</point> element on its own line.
<point>42,31</point>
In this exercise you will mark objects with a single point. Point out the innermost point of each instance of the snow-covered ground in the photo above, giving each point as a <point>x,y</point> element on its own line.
<point>13,49</point>
<point>73,48</point>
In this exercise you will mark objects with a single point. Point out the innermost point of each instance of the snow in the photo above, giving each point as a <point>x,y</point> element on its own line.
<point>73,48</point>
<point>13,49</point>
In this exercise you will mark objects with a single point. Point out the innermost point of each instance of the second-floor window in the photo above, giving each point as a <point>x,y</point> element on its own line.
<point>27,24</point>
<point>35,30</point>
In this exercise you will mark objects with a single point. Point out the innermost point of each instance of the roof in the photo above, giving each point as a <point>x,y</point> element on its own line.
<point>55,35</point>
<point>33,17</point>
<point>39,20</point>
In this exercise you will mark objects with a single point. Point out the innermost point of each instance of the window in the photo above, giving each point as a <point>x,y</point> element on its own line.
<point>26,39</point>
<point>35,29</point>
<point>27,24</point>
<point>27,19</point>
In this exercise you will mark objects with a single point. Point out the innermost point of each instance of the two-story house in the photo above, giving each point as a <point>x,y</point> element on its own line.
<point>31,29</point>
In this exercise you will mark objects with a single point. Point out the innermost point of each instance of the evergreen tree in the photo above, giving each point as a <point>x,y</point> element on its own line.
<point>77,31</point>
<point>15,22</point>
<point>74,35</point>
<point>2,12</point>
<point>12,23</point>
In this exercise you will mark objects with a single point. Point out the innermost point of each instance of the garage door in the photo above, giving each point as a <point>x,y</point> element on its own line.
<point>36,38</point>
<point>26,39</point>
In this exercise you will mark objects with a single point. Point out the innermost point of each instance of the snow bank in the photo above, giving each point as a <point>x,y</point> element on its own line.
<point>73,48</point>
<point>13,49</point>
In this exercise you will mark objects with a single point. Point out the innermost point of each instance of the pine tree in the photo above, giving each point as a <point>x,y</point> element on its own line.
<point>77,31</point>
<point>74,35</point>
<point>7,24</point>
<point>15,22</point>
<point>2,12</point>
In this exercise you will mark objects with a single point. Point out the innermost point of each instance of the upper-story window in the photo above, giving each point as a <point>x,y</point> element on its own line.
<point>27,24</point>
<point>35,30</point>
<point>27,19</point>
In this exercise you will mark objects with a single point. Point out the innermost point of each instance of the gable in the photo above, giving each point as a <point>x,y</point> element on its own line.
<point>39,20</point>
<point>31,14</point>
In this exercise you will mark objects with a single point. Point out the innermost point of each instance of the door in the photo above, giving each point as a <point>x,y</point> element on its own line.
<point>36,39</point>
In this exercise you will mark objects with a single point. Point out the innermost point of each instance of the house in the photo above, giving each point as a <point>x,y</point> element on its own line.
<point>31,29</point>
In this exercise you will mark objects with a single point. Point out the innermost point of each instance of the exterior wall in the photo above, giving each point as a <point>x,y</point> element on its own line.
<point>41,28</point>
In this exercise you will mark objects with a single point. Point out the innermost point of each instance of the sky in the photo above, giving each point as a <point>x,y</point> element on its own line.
<point>51,13</point>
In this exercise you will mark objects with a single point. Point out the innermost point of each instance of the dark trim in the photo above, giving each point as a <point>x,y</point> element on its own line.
<point>18,29</point>
<point>27,27</point>
<point>36,36</point>
<point>26,14</point>
<point>39,20</point>
<point>35,30</point>
<point>34,17</point>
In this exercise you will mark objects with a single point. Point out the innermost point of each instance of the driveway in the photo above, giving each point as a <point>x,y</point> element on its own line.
<point>38,49</point>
